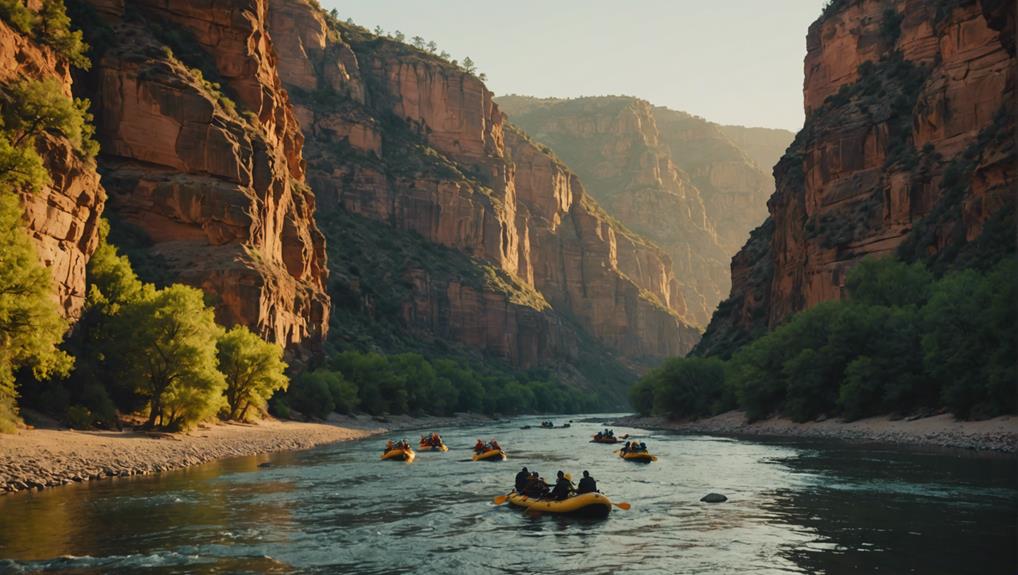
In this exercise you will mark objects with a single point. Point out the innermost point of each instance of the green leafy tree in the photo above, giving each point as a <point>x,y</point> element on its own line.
<point>969,340</point>
<point>398,36</point>
<point>889,282</point>
<point>54,28</point>
<point>379,31</point>
<point>111,285</point>
<point>17,15</point>
<point>418,42</point>
<point>50,26</point>
<point>320,392</point>
<point>30,326</point>
<point>468,65</point>
<point>170,339</point>
<point>254,370</point>
<point>432,47</point>
<point>29,108</point>
<point>689,387</point>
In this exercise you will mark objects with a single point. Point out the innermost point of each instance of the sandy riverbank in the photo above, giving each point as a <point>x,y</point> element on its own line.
<point>39,458</point>
<point>997,434</point>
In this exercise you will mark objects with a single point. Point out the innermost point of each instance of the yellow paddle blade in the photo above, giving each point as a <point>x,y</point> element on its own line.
<point>501,499</point>
<point>623,506</point>
<point>653,458</point>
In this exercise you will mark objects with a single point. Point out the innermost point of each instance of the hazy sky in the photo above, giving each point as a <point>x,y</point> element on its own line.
<point>730,61</point>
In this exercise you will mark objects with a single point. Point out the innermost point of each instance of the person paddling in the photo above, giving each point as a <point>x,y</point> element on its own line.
<point>562,487</point>
<point>587,484</point>
<point>479,447</point>
<point>536,487</point>
<point>521,480</point>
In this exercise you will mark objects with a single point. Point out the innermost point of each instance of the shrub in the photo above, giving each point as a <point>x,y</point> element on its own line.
<point>310,394</point>
<point>689,387</point>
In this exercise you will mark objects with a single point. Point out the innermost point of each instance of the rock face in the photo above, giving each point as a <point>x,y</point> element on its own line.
<point>764,146</point>
<point>202,159</point>
<point>530,268</point>
<point>62,219</point>
<point>671,177</point>
<point>733,185</point>
<point>908,148</point>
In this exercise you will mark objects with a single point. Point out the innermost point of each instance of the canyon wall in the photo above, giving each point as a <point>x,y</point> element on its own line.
<point>480,237</point>
<point>674,178</point>
<point>202,160</point>
<point>62,218</point>
<point>908,149</point>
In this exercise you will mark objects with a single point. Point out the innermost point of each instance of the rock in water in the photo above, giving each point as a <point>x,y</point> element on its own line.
<point>713,498</point>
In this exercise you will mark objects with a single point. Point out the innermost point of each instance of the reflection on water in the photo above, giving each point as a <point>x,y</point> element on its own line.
<point>795,507</point>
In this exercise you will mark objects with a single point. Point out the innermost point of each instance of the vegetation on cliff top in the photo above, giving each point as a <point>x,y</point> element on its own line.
<point>900,342</point>
<point>49,26</point>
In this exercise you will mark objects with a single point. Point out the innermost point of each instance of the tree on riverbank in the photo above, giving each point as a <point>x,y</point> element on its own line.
<point>170,339</point>
<point>900,341</point>
<point>412,383</point>
<point>253,369</point>
<point>30,327</point>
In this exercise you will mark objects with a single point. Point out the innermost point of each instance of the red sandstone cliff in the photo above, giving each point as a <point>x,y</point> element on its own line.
<point>202,158</point>
<point>399,137</point>
<point>908,147</point>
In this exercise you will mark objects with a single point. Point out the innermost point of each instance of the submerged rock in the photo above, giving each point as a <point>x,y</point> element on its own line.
<point>713,498</point>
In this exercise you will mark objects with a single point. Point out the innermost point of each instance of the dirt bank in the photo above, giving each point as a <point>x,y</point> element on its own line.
<point>39,458</point>
<point>997,434</point>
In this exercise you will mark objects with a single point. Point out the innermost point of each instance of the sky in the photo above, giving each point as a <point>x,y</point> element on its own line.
<point>729,61</point>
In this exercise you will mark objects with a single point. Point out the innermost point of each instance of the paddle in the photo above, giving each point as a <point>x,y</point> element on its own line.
<point>501,499</point>
<point>623,506</point>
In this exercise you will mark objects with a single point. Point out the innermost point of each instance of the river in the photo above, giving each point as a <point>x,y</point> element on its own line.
<point>794,507</point>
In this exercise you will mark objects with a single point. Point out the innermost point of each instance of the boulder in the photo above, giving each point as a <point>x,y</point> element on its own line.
<point>713,498</point>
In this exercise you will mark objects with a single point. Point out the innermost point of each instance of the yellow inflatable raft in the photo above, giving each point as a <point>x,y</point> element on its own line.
<point>491,455</point>
<point>638,456</point>
<point>586,505</point>
<point>603,439</point>
<point>429,447</point>
<point>400,455</point>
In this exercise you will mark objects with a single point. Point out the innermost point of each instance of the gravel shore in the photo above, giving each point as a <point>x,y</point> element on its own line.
<point>41,458</point>
<point>998,434</point>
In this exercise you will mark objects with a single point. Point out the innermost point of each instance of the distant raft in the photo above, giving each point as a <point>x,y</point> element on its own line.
<point>638,456</point>
<point>491,455</point>
<point>605,439</point>
<point>585,505</point>
<point>429,447</point>
<point>406,455</point>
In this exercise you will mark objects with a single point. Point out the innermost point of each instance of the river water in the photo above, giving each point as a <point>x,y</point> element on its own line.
<point>794,507</point>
